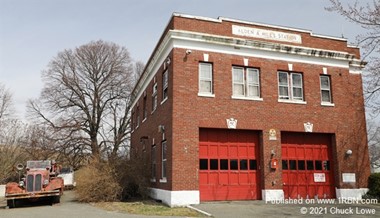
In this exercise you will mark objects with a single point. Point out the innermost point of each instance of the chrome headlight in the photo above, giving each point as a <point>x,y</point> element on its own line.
<point>46,182</point>
<point>21,183</point>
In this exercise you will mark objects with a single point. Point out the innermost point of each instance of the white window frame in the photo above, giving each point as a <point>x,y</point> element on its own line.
<point>165,86</point>
<point>164,155</point>
<point>205,79</point>
<point>290,88</point>
<point>154,97</point>
<point>137,117</point>
<point>145,109</point>
<point>326,103</point>
<point>153,163</point>
<point>246,84</point>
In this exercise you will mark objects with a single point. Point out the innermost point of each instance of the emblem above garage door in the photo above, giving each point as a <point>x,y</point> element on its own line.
<point>228,164</point>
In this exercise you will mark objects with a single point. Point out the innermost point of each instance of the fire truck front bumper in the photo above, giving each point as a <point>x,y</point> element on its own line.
<point>27,195</point>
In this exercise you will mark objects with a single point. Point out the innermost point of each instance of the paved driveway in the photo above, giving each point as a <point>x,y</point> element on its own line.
<point>242,209</point>
<point>69,208</point>
<point>232,209</point>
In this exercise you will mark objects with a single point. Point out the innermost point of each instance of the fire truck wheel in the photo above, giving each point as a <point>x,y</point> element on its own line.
<point>56,200</point>
<point>12,203</point>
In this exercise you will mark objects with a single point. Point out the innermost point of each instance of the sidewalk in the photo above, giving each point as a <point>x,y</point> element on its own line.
<point>250,209</point>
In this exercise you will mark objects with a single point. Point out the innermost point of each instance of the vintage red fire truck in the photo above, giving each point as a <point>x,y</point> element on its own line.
<point>41,181</point>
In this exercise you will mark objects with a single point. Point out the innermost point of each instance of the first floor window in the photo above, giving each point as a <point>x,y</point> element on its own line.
<point>205,78</point>
<point>325,89</point>
<point>153,161</point>
<point>164,149</point>
<point>246,82</point>
<point>290,86</point>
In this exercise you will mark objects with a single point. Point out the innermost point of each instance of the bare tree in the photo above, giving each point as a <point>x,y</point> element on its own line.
<point>138,70</point>
<point>82,89</point>
<point>10,135</point>
<point>374,145</point>
<point>5,101</point>
<point>11,153</point>
<point>368,17</point>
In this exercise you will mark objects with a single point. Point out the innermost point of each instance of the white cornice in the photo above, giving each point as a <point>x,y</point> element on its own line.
<point>241,47</point>
<point>221,19</point>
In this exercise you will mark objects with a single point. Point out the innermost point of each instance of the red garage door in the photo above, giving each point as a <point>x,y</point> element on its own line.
<point>307,165</point>
<point>228,165</point>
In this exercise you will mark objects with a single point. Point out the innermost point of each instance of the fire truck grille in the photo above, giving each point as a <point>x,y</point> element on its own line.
<point>34,183</point>
<point>38,183</point>
<point>29,183</point>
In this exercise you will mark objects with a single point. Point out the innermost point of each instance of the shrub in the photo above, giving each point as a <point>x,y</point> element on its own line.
<point>97,182</point>
<point>114,180</point>
<point>374,185</point>
<point>134,177</point>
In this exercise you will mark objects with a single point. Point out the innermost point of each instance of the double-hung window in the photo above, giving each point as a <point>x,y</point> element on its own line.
<point>163,158</point>
<point>205,79</point>
<point>290,86</point>
<point>145,110</point>
<point>154,97</point>
<point>137,117</point>
<point>165,85</point>
<point>246,82</point>
<point>153,161</point>
<point>325,89</point>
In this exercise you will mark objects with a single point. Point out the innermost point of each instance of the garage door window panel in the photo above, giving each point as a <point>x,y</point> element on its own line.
<point>243,165</point>
<point>234,164</point>
<point>252,165</point>
<point>224,164</point>
<point>292,164</point>
<point>301,164</point>
<point>203,164</point>
<point>214,164</point>
<point>318,165</point>
<point>310,165</point>
<point>285,165</point>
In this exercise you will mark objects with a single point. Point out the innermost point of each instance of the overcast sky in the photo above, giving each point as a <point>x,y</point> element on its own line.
<point>32,32</point>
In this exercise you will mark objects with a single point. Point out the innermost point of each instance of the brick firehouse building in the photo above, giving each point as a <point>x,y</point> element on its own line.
<point>234,110</point>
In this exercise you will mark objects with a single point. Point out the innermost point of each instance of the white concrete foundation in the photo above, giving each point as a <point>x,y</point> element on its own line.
<point>175,198</point>
<point>272,194</point>
<point>351,193</point>
<point>2,190</point>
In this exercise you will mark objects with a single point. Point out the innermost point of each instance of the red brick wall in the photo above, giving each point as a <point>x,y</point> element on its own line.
<point>185,112</point>
<point>190,112</point>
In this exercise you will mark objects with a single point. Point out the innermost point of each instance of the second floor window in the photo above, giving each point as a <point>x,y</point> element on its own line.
<point>145,110</point>
<point>246,82</point>
<point>205,78</point>
<point>137,116</point>
<point>165,85</point>
<point>154,97</point>
<point>325,89</point>
<point>290,86</point>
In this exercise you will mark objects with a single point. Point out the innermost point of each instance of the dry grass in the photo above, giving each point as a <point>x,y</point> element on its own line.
<point>149,208</point>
